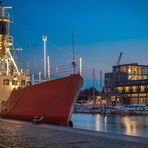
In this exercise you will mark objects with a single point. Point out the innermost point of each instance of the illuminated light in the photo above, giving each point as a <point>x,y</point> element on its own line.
<point>12,87</point>
<point>129,70</point>
<point>119,89</point>
<point>15,78</point>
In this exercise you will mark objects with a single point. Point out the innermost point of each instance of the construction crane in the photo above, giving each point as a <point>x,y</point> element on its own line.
<point>119,59</point>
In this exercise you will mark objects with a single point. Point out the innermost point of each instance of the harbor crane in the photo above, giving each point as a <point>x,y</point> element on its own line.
<point>119,59</point>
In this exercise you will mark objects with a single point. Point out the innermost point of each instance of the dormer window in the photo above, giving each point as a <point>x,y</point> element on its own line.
<point>6,82</point>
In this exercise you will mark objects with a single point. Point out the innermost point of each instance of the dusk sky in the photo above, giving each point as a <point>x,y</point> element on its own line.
<point>101,28</point>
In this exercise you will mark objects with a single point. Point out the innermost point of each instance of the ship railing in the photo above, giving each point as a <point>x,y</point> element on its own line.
<point>24,72</point>
<point>5,16</point>
<point>62,71</point>
<point>65,70</point>
<point>10,39</point>
<point>58,72</point>
<point>6,39</point>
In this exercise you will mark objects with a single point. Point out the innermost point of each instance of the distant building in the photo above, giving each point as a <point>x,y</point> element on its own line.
<point>128,83</point>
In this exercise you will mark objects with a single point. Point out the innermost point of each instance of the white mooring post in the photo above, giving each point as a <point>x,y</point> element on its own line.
<point>57,70</point>
<point>81,66</point>
<point>44,40</point>
<point>32,79</point>
<point>40,79</point>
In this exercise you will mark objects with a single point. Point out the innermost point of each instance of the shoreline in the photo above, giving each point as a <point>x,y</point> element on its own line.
<point>26,134</point>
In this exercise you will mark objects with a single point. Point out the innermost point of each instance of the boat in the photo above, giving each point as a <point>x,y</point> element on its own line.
<point>50,101</point>
<point>134,109</point>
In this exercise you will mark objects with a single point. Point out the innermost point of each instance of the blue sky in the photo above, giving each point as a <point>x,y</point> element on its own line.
<point>102,29</point>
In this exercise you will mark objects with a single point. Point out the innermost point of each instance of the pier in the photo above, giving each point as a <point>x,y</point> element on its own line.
<point>27,135</point>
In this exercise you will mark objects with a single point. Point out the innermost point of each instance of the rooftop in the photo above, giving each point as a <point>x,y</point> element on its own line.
<point>131,64</point>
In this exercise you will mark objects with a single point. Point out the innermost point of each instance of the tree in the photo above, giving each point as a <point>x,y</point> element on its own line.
<point>87,93</point>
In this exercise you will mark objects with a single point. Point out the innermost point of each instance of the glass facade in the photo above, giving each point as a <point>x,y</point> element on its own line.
<point>135,72</point>
<point>128,83</point>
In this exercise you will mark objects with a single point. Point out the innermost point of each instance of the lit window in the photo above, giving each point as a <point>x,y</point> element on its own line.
<point>134,88</point>
<point>127,89</point>
<point>142,95</point>
<point>6,82</point>
<point>123,68</point>
<point>23,82</point>
<point>119,89</point>
<point>142,88</point>
<point>129,70</point>
<point>14,82</point>
<point>134,95</point>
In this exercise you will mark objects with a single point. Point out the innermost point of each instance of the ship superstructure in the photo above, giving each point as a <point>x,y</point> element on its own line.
<point>11,77</point>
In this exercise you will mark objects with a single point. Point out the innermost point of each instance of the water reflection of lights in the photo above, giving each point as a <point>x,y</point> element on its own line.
<point>105,123</point>
<point>130,126</point>
<point>99,125</point>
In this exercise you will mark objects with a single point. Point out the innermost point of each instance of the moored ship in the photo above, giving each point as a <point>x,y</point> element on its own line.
<point>50,101</point>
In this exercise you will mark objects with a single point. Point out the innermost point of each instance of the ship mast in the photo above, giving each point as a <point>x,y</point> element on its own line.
<point>7,62</point>
<point>44,40</point>
<point>73,55</point>
<point>94,86</point>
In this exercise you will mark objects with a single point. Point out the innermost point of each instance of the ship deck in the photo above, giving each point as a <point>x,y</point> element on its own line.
<point>15,133</point>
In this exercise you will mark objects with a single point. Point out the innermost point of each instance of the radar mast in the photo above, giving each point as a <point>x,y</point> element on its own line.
<point>7,62</point>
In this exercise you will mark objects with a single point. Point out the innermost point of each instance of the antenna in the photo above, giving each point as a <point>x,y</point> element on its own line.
<point>73,58</point>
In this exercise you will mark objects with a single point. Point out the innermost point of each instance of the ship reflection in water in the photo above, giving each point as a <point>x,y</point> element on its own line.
<point>128,125</point>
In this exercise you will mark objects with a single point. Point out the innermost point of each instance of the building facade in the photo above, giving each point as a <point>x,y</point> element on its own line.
<point>127,83</point>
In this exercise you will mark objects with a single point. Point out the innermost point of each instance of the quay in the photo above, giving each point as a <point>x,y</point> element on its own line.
<point>20,134</point>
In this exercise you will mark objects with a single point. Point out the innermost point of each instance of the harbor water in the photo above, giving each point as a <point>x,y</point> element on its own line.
<point>127,125</point>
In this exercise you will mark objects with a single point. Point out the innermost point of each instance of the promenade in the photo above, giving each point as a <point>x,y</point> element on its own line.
<point>19,134</point>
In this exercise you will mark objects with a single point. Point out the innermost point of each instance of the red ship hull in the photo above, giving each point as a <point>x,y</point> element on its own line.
<point>53,101</point>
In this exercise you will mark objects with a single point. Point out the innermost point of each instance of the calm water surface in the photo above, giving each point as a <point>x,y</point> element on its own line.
<point>128,125</point>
